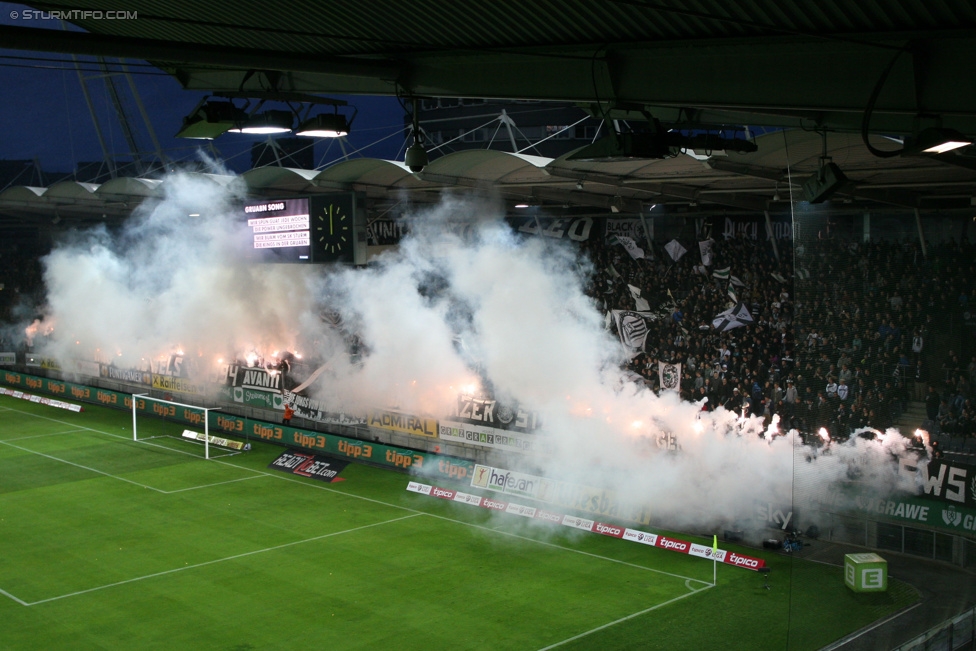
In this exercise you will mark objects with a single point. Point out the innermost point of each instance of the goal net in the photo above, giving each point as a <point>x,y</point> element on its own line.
<point>185,428</point>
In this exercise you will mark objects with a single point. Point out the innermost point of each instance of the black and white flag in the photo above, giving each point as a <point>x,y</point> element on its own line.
<point>632,328</point>
<point>734,317</point>
<point>669,375</point>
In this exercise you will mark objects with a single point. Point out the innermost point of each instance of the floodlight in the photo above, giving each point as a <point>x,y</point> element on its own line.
<point>211,119</point>
<point>935,140</point>
<point>325,125</point>
<point>266,123</point>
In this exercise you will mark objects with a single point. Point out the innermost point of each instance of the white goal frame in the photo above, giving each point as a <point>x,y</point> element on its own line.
<point>206,422</point>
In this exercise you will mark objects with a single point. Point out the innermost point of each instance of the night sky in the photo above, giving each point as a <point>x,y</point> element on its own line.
<point>43,114</point>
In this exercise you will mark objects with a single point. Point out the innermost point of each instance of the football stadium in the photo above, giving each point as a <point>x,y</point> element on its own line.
<point>593,348</point>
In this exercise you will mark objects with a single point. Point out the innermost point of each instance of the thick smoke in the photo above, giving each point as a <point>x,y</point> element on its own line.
<point>462,305</point>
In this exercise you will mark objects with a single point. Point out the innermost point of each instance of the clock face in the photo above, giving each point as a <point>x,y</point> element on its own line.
<point>333,229</point>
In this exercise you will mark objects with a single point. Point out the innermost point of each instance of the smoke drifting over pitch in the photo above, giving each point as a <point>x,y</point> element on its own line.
<point>462,305</point>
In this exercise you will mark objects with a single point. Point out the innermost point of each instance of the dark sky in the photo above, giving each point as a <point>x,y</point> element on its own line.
<point>43,113</point>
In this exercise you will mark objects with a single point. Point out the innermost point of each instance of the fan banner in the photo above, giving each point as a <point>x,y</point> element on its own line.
<point>669,376</point>
<point>311,409</point>
<point>486,411</point>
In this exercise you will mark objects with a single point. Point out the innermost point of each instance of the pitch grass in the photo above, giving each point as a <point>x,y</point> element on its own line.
<point>110,544</point>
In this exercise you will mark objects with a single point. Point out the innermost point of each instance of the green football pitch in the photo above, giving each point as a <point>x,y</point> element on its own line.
<point>107,543</point>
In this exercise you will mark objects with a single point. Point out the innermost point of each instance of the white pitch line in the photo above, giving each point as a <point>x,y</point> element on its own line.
<point>38,436</point>
<point>108,474</point>
<point>623,619</point>
<point>569,549</point>
<point>78,465</point>
<point>82,428</point>
<point>193,488</point>
<point>217,560</point>
<point>20,601</point>
<point>470,524</point>
<point>856,634</point>
<point>395,506</point>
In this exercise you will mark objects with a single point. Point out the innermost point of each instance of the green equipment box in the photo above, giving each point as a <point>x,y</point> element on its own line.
<point>865,572</point>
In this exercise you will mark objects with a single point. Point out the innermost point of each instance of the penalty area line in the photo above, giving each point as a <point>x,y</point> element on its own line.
<point>216,560</point>
<point>20,601</point>
<point>624,619</point>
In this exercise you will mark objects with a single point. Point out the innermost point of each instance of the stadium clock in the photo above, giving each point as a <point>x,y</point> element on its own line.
<point>332,229</point>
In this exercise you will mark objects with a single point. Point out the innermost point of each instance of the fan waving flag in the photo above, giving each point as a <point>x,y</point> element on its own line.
<point>675,250</point>
<point>734,317</point>
<point>628,243</point>
<point>706,252</point>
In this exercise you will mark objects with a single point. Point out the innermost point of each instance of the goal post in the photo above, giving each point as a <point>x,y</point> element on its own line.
<point>153,418</point>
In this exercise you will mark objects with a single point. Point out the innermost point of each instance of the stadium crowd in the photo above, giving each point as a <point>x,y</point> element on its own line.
<point>843,335</point>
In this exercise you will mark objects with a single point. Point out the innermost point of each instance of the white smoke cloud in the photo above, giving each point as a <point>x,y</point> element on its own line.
<point>462,301</point>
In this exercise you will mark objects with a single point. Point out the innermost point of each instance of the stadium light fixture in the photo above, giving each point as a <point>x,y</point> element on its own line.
<point>211,119</point>
<point>266,123</point>
<point>326,125</point>
<point>935,140</point>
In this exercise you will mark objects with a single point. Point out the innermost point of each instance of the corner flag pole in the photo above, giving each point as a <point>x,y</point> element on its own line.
<point>714,559</point>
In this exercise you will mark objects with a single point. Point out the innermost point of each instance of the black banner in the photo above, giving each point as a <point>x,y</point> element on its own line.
<point>578,229</point>
<point>128,375</point>
<point>745,227</point>
<point>247,377</point>
<point>954,483</point>
<point>490,412</point>
<point>309,465</point>
<point>385,232</point>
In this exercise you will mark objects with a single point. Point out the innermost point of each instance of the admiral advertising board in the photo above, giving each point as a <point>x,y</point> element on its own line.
<point>399,422</point>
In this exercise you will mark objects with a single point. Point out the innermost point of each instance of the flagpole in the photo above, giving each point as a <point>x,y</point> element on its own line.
<point>714,560</point>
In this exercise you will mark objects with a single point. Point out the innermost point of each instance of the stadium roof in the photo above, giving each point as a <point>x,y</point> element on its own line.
<point>769,179</point>
<point>771,62</point>
<point>833,66</point>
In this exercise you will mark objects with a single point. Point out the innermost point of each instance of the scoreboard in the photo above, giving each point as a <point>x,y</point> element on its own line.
<point>320,228</point>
